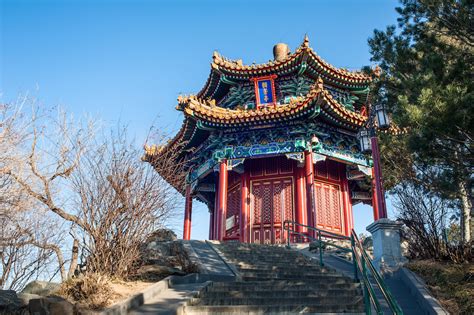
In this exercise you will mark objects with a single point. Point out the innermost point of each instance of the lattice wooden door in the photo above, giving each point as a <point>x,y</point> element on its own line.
<point>272,204</point>
<point>232,221</point>
<point>328,207</point>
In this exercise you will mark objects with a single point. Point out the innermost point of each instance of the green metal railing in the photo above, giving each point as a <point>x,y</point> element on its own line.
<point>363,266</point>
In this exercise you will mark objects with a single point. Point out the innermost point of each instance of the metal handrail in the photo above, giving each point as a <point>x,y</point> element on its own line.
<point>380,283</point>
<point>362,264</point>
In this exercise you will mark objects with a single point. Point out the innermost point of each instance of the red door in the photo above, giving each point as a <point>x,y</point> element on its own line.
<point>329,207</point>
<point>232,221</point>
<point>271,205</point>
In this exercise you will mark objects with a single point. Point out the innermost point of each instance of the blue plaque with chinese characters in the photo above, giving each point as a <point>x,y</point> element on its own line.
<point>265,91</point>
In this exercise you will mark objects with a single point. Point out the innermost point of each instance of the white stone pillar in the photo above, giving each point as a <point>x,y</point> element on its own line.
<point>386,241</point>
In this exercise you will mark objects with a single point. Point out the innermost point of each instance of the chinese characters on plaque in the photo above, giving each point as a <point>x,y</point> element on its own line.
<point>265,91</point>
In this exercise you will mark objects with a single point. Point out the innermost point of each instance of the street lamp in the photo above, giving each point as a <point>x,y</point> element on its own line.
<point>364,139</point>
<point>369,143</point>
<point>383,120</point>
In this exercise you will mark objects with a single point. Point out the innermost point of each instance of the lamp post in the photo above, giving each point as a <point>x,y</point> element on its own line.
<point>369,143</point>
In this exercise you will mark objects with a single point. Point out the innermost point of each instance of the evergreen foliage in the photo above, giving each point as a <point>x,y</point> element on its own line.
<point>427,63</point>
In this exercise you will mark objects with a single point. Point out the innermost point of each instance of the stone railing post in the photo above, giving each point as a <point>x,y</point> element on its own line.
<point>387,249</point>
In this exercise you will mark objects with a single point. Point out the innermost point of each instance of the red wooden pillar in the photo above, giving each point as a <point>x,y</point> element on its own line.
<point>188,206</point>
<point>301,211</point>
<point>222,200</point>
<point>380,200</point>
<point>309,174</point>
<point>348,216</point>
<point>374,197</point>
<point>244,206</point>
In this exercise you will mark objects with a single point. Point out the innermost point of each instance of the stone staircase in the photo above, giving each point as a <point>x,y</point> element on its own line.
<point>276,280</point>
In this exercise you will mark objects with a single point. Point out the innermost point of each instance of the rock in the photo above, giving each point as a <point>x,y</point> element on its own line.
<point>42,288</point>
<point>162,235</point>
<point>61,307</point>
<point>158,246</point>
<point>36,307</point>
<point>158,249</point>
<point>9,301</point>
<point>170,261</point>
<point>25,298</point>
<point>51,306</point>
<point>155,271</point>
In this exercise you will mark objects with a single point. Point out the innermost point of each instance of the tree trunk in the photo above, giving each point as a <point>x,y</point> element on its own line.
<point>75,253</point>
<point>466,209</point>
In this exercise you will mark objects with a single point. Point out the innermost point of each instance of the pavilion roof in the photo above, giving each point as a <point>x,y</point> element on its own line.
<point>200,116</point>
<point>318,97</point>
<point>225,71</point>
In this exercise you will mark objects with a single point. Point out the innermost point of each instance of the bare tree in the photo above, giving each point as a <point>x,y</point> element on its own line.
<point>121,199</point>
<point>428,219</point>
<point>25,235</point>
<point>97,186</point>
<point>47,156</point>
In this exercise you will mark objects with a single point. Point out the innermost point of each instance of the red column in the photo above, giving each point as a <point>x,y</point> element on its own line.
<point>309,174</point>
<point>188,206</point>
<point>244,206</point>
<point>348,217</point>
<point>382,210</point>
<point>301,212</point>
<point>222,201</point>
<point>374,197</point>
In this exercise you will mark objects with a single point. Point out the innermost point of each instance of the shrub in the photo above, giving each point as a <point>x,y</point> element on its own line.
<point>450,283</point>
<point>90,290</point>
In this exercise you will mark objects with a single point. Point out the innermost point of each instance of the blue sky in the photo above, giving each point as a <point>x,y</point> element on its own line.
<point>129,60</point>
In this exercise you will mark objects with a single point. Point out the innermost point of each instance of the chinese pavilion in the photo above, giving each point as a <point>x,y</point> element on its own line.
<point>265,143</point>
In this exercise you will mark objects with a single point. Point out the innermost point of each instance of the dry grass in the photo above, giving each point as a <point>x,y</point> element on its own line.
<point>91,291</point>
<point>95,292</point>
<point>452,284</point>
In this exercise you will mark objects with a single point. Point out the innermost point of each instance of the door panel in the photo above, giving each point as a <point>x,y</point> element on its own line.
<point>233,212</point>
<point>272,204</point>
<point>328,207</point>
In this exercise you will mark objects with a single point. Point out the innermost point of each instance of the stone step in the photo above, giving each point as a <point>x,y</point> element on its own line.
<point>279,285</point>
<point>268,259</point>
<point>292,269</point>
<point>339,293</point>
<point>277,280</point>
<point>258,248</point>
<point>320,301</point>
<point>336,278</point>
<point>298,274</point>
<point>270,267</point>
<point>261,254</point>
<point>271,309</point>
<point>272,262</point>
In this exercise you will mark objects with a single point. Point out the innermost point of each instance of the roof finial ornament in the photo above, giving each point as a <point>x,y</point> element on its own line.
<point>280,51</point>
<point>306,41</point>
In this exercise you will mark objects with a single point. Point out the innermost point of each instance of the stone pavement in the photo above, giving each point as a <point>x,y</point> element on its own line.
<point>170,300</point>
<point>209,261</point>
